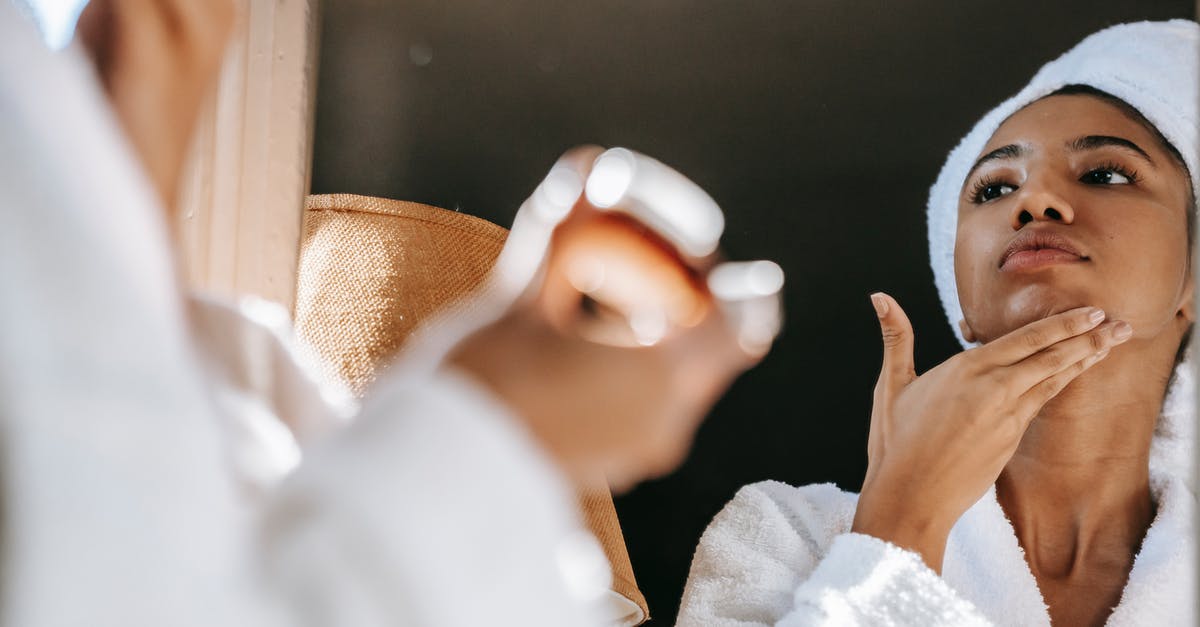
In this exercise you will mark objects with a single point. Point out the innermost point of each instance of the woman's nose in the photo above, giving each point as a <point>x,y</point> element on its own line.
<point>1041,204</point>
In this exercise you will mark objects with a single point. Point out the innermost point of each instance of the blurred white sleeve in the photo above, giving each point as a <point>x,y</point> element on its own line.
<point>433,508</point>
<point>432,493</point>
<point>117,504</point>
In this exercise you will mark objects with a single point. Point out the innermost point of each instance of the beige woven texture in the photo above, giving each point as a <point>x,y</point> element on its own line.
<point>372,269</point>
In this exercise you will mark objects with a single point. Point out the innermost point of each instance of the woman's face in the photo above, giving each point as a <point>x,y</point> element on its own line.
<point>1073,203</point>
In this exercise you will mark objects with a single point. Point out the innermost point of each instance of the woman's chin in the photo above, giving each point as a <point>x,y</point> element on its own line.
<point>1026,306</point>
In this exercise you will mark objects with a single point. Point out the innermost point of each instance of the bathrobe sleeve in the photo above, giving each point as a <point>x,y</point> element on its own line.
<point>779,555</point>
<point>434,507</point>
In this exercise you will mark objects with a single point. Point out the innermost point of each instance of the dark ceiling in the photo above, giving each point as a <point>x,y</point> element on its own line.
<point>817,125</point>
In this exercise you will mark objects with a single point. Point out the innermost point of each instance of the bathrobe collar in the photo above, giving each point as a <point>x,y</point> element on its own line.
<point>986,564</point>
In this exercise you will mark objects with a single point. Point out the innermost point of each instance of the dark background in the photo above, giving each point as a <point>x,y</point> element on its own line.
<point>817,125</point>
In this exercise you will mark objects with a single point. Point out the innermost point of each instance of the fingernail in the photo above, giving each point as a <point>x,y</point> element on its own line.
<point>881,306</point>
<point>1096,316</point>
<point>1122,331</point>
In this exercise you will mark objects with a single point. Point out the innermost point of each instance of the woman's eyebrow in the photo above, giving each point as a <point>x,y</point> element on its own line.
<point>1092,142</point>
<point>1011,151</point>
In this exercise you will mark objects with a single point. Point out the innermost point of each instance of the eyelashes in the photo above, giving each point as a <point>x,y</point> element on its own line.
<point>1095,176</point>
<point>991,187</point>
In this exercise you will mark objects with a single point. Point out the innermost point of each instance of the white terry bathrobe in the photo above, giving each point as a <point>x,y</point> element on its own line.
<point>780,555</point>
<point>139,438</point>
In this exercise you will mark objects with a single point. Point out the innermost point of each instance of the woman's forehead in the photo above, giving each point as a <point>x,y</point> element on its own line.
<point>1058,120</point>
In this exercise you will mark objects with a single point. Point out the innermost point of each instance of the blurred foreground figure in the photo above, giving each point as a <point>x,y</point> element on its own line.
<point>140,430</point>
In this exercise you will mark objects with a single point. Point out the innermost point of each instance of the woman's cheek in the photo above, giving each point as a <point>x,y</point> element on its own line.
<point>1145,272</point>
<point>971,273</point>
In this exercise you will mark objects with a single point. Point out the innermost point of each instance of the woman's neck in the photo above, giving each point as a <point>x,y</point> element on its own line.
<point>1078,488</point>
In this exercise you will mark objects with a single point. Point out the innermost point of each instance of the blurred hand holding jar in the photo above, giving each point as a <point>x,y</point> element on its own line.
<point>629,325</point>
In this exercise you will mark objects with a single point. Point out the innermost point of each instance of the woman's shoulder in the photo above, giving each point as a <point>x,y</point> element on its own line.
<point>782,553</point>
<point>774,522</point>
<point>816,512</point>
<point>759,548</point>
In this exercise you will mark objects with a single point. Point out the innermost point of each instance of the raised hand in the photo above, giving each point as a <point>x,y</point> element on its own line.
<point>938,441</point>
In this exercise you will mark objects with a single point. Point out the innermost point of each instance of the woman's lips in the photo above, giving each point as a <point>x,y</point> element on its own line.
<point>1034,249</point>
<point>1035,259</point>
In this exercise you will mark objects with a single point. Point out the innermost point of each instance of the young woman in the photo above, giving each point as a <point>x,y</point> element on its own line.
<point>1041,476</point>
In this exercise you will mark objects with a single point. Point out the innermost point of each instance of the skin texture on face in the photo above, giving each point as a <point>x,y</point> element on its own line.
<point>1080,173</point>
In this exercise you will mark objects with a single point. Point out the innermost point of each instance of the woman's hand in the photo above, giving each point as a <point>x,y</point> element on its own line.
<point>625,413</point>
<point>602,397</point>
<point>939,441</point>
<point>157,59</point>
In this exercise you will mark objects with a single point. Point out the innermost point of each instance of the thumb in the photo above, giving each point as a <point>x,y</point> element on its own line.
<point>898,367</point>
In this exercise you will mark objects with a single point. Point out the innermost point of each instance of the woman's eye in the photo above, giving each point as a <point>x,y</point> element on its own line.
<point>1105,177</point>
<point>994,191</point>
